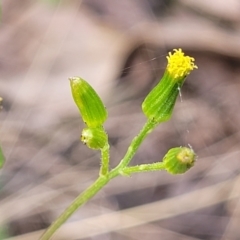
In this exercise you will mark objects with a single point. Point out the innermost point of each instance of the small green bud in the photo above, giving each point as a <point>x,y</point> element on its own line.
<point>2,159</point>
<point>159,103</point>
<point>91,107</point>
<point>94,138</point>
<point>179,160</point>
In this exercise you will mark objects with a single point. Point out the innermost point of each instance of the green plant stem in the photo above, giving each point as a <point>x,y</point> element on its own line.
<point>103,179</point>
<point>79,201</point>
<point>104,160</point>
<point>135,144</point>
<point>143,168</point>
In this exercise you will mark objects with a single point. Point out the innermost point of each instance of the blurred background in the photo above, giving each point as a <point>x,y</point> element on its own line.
<point>119,47</point>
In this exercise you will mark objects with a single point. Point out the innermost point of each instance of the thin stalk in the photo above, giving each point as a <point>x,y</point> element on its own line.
<point>103,179</point>
<point>104,160</point>
<point>135,144</point>
<point>144,168</point>
<point>79,201</point>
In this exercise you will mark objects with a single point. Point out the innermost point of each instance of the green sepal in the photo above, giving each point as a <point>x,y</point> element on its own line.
<point>2,159</point>
<point>94,138</point>
<point>179,160</point>
<point>90,105</point>
<point>159,103</point>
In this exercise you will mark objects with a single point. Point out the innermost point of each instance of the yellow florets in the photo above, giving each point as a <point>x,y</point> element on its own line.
<point>179,65</point>
<point>186,155</point>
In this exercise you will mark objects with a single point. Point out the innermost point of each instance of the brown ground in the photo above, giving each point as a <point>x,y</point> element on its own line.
<point>120,48</point>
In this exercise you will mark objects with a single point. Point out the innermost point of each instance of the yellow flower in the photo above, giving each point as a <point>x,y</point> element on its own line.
<point>179,65</point>
<point>159,103</point>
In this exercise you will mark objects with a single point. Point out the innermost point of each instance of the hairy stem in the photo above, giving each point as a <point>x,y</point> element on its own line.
<point>135,144</point>
<point>104,178</point>
<point>79,201</point>
<point>144,168</point>
<point>104,160</point>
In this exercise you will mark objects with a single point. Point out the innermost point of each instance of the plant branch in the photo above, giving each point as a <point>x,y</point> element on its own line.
<point>135,144</point>
<point>143,168</point>
<point>105,177</point>
<point>104,160</point>
<point>79,201</point>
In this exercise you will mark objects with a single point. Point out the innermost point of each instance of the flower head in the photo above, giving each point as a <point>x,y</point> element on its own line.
<point>179,160</point>
<point>179,65</point>
<point>159,103</point>
<point>90,105</point>
<point>94,138</point>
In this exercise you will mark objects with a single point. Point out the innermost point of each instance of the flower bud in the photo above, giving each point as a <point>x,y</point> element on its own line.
<point>91,107</point>
<point>159,103</point>
<point>179,160</point>
<point>94,138</point>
